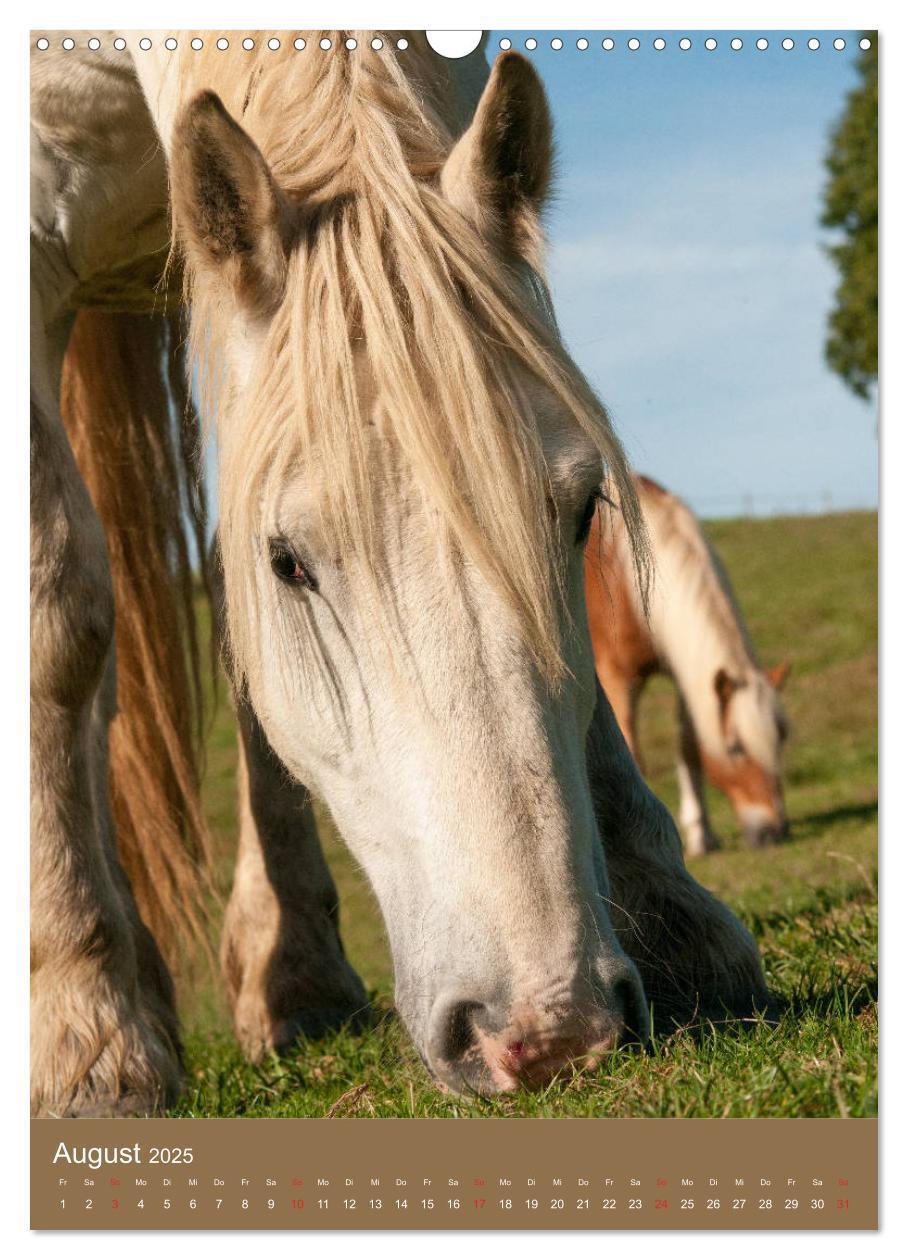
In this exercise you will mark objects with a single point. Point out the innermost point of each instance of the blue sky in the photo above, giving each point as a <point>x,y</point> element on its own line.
<point>687,267</point>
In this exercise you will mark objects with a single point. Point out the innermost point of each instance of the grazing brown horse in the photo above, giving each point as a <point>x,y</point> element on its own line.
<point>732,723</point>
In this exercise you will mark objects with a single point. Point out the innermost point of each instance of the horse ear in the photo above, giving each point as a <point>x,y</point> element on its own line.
<point>229,213</point>
<point>778,675</point>
<point>498,173</point>
<point>725,687</point>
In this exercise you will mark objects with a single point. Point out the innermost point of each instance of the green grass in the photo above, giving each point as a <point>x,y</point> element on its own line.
<point>807,587</point>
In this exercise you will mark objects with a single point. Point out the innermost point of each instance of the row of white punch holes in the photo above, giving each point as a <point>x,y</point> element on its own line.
<point>582,44</point>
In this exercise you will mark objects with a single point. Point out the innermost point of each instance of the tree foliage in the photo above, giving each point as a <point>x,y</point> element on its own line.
<point>850,206</point>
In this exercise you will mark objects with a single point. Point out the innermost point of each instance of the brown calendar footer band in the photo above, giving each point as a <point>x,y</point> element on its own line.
<point>451,1174</point>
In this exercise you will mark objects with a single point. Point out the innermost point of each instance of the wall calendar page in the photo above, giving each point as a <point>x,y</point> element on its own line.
<point>454,629</point>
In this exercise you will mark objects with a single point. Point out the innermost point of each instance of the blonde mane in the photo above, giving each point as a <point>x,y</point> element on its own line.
<point>389,277</point>
<point>697,626</point>
<point>696,566</point>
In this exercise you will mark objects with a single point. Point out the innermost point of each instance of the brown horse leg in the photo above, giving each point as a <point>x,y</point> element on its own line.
<point>102,1022</point>
<point>281,952</point>
<point>695,957</point>
<point>699,837</point>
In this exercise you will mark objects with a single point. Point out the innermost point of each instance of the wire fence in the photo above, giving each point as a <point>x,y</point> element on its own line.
<point>751,504</point>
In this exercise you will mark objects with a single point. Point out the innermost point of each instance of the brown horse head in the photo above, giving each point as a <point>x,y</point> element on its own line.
<point>748,768</point>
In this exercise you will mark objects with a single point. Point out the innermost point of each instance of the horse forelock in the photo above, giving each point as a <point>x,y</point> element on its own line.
<point>759,720</point>
<point>388,284</point>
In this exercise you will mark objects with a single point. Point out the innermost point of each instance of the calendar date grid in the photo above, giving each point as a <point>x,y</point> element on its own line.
<point>415,1195</point>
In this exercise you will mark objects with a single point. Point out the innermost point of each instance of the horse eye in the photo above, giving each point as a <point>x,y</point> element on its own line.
<point>286,565</point>
<point>586,520</point>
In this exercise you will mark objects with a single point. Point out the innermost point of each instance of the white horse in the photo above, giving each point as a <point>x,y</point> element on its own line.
<point>359,231</point>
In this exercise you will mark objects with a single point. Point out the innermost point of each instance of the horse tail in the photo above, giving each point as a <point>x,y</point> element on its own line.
<point>135,435</point>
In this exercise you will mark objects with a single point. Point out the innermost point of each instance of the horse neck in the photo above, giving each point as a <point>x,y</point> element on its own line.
<point>99,188</point>
<point>696,625</point>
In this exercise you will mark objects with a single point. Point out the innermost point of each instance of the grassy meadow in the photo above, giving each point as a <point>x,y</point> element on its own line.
<point>807,587</point>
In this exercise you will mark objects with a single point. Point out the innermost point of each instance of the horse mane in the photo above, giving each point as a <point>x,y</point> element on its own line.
<point>696,622</point>
<point>387,276</point>
<point>697,567</point>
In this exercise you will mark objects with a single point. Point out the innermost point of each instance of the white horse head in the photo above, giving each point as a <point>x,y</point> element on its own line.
<point>410,466</point>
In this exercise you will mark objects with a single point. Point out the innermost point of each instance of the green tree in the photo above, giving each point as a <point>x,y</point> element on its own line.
<point>850,206</point>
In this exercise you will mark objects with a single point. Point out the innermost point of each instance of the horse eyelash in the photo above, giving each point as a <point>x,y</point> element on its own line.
<point>589,515</point>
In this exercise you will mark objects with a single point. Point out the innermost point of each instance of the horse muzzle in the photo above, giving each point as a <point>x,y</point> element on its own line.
<point>478,1047</point>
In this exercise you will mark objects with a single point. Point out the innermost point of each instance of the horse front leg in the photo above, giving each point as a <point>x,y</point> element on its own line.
<point>695,957</point>
<point>281,952</point>
<point>699,837</point>
<point>103,1028</point>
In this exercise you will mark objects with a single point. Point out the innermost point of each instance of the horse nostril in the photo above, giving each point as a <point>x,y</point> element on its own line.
<point>461,1032</point>
<point>630,1002</point>
<point>455,1030</point>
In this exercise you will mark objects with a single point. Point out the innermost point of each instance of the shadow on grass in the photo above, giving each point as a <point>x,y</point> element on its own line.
<point>865,812</point>
<point>704,1026</point>
<point>838,1002</point>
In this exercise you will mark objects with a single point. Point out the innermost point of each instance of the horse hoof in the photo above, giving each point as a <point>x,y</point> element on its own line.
<point>313,1023</point>
<point>114,1088</point>
<point>697,843</point>
<point>261,1031</point>
<point>111,1107</point>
